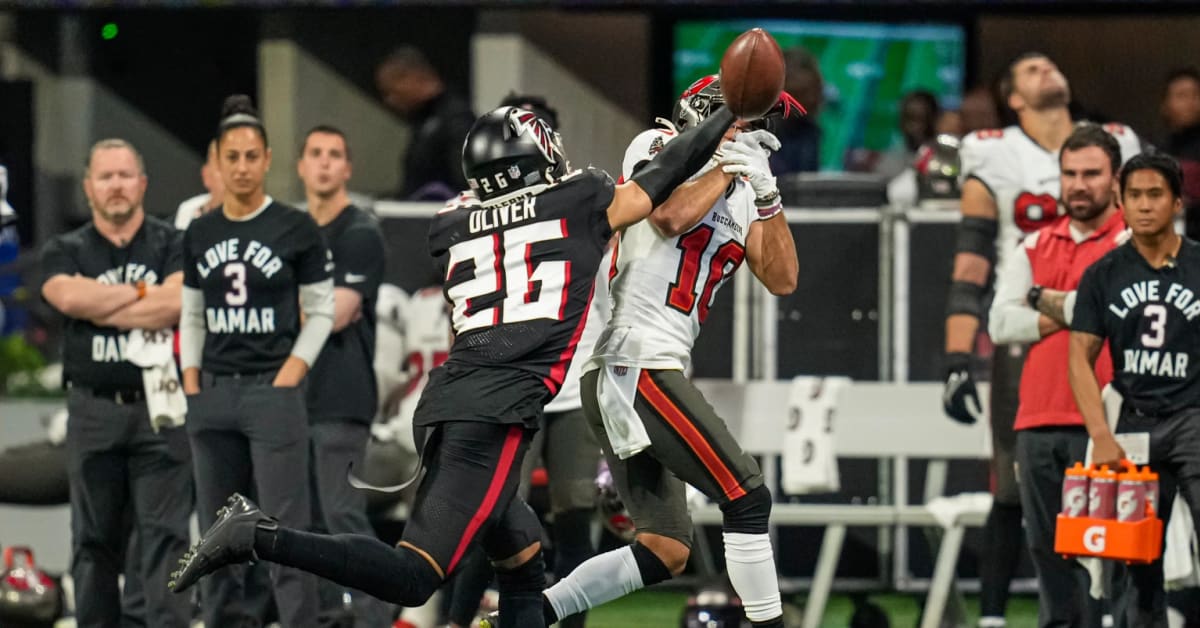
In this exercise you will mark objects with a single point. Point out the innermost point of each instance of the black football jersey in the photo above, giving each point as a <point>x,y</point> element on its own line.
<point>94,356</point>
<point>1151,318</point>
<point>341,384</point>
<point>250,272</point>
<point>519,279</point>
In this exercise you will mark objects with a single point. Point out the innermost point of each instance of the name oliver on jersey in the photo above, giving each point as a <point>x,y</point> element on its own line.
<point>486,219</point>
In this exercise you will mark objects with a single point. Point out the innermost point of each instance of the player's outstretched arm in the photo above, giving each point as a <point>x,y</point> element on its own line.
<point>689,202</point>
<point>1081,360</point>
<point>159,309</point>
<point>653,184</point>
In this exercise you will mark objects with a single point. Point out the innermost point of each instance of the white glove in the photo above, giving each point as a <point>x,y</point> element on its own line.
<point>747,156</point>
<point>759,139</point>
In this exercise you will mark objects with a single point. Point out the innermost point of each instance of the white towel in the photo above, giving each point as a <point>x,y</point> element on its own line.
<point>947,510</point>
<point>616,388</point>
<point>1180,568</point>
<point>809,459</point>
<point>153,351</point>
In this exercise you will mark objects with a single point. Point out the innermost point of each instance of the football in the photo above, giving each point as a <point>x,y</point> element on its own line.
<point>752,73</point>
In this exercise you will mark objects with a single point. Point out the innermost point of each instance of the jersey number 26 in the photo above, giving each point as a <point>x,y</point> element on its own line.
<point>503,264</point>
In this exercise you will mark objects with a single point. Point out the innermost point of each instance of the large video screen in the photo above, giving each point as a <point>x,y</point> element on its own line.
<point>867,68</point>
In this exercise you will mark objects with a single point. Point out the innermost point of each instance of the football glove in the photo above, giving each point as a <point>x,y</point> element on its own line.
<point>960,399</point>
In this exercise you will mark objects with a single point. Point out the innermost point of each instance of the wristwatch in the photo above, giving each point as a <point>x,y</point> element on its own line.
<point>141,290</point>
<point>1033,295</point>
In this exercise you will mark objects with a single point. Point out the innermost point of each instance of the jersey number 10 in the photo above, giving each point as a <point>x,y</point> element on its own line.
<point>504,266</point>
<point>723,262</point>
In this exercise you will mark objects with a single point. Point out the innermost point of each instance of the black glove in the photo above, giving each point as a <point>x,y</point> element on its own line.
<point>960,400</point>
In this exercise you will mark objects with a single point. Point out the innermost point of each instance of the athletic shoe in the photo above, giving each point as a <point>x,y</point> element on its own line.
<point>229,540</point>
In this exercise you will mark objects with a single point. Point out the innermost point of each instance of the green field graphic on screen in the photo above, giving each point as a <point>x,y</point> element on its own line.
<point>867,68</point>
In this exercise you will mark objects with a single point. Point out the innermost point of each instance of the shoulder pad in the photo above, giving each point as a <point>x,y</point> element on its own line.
<point>644,147</point>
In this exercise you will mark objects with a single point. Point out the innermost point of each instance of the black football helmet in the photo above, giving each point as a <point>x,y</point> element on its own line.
<point>511,149</point>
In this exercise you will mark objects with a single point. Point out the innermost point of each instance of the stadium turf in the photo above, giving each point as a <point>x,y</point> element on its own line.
<point>663,609</point>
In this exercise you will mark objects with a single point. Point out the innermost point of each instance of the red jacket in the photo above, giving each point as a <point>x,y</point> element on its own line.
<point>1058,263</point>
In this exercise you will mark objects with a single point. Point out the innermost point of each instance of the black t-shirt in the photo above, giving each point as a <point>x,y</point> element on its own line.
<point>94,357</point>
<point>250,272</point>
<point>341,384</point>
<point>1151,318</point>
<point>434,153</point>
<point>519,277</point>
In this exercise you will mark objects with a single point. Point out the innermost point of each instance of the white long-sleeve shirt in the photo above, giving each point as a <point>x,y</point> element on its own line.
<point>1011,320</point>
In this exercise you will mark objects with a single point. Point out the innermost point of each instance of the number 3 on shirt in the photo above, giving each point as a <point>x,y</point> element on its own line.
<point>237,293</point>
<point>1157,313</point>
<point>503,266</point>
<point>721,264</point>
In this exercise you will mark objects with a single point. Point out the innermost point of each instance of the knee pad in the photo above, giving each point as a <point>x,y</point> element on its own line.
<point>527,577</point>
<point>749,513</point>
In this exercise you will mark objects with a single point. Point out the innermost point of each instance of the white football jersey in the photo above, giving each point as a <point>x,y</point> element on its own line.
<point>662,287</point>
<point>1023,178</point>
<point>598,315</point>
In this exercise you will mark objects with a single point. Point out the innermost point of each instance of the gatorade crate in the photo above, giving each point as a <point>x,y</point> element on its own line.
<point>1129,541</point>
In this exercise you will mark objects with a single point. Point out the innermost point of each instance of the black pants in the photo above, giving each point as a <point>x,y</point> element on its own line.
<point>340,509</point>
<point>117,465</point>
<point>244,433</point>
<point>1175,456</point>
<point>469,492</point>
<point>1043,455</point>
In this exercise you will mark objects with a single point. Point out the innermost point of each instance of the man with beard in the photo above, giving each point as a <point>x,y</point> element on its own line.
<point>122,271</point>
<point>1034,303</point>
<point>1010,188</point>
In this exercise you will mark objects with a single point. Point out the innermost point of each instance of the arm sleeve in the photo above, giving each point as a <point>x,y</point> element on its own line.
<point>359,258</point>
<point>316,301</point>
<point>1011,319</point>
<point>1088,313</point>
<point>56,260</point>
<point>191,328</point>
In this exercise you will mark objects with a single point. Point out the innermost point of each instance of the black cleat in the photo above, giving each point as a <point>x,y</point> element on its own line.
<point>229,540</point>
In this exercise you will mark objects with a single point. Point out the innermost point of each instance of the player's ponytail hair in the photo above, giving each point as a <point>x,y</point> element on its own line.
<point>238,111</point>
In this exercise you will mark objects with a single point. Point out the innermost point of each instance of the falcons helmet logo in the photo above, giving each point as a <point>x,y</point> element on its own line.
<point>522,121</point>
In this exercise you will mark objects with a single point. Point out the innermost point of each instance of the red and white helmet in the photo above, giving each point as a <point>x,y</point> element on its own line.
<point>703,97</point>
